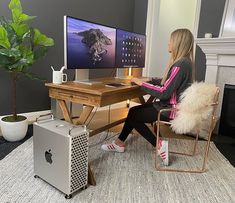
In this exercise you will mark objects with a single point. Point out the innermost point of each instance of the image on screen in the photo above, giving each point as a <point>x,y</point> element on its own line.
<point>130,50</point>
<point>89,45</point>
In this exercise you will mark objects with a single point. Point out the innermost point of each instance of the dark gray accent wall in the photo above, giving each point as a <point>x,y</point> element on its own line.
<point>140,16</point>
<point>210,17</point>
<point>210,20</point>
<point>121,15</point>
<point>138,20</point>
<point>33,95</point>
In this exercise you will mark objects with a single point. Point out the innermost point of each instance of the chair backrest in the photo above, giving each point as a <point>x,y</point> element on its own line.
<point>197,109</point>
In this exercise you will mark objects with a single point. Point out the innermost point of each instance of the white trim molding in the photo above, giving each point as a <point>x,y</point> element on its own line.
<point>216,50</point>
<point>197,18</point>
<point>152,12</point>
<point>216,45</point>
<point>220,61</point>
<point>32,116</point>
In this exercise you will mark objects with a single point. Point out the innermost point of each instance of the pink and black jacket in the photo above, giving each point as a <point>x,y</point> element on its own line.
<point>178,79</point>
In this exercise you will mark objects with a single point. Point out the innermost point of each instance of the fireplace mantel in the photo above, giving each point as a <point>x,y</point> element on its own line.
<point>216,45</point>
<point>219,52</point>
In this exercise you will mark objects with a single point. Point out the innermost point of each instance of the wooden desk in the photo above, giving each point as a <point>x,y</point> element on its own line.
<point>91,96</point>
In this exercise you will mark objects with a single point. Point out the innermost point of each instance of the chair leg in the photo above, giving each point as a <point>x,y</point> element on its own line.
<point>205,158</point>
<point>157,141</point>
<point>207,151</point>
<point>200,170</point>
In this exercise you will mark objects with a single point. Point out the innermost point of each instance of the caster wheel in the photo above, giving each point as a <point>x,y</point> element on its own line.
<point>68,196</point>
<point>35,176</point>
<point>84,187</point>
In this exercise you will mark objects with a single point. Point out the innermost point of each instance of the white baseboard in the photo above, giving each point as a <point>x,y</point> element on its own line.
<point>31,116</point>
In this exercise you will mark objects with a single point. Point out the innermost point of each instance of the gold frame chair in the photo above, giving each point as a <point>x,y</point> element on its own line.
<point>211,128</point>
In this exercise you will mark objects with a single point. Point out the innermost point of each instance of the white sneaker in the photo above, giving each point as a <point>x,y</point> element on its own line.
<point>112,147</point>
<point>163,152</point>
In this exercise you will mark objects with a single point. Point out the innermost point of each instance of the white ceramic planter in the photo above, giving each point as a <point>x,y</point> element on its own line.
<point>14,131</point>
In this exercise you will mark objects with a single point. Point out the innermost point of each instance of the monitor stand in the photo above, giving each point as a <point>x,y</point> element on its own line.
<point>123,73</point>
<point>82,76</point>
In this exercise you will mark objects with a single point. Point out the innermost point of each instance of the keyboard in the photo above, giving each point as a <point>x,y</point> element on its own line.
<point>115,84</point>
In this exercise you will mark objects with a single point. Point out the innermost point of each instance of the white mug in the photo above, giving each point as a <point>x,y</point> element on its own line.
<point>59,77</point>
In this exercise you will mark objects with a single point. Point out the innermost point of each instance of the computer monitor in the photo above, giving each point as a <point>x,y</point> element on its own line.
<point>88,45</point>
<point>130,50</point>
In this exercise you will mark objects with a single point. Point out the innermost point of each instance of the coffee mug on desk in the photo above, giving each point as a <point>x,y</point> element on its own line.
<point>58,77</point>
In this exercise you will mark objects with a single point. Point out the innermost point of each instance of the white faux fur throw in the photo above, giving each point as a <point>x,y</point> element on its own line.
<point>194,110</point>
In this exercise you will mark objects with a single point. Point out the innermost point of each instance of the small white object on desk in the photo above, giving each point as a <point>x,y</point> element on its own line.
<point>58,76</point>
<point>208,35</point>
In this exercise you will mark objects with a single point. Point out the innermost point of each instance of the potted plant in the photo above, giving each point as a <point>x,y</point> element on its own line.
<point>20,46</point>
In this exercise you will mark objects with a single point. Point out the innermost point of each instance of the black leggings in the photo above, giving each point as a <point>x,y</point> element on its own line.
<point>136,119</point>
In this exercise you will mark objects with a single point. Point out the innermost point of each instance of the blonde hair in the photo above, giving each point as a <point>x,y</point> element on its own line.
<point>182,47</point>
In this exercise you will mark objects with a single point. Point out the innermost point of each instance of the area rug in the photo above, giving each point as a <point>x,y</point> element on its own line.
<point>128,177</point>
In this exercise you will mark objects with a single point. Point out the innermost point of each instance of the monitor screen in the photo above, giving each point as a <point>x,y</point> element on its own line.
<point>88,45</point>
<point>130,51</point>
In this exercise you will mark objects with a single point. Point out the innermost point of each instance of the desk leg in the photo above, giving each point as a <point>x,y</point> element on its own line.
<point>85,114</point>
<point>65,110</point>
<point>142,101</point>
<point>91,178</point>
<point>67,117</point>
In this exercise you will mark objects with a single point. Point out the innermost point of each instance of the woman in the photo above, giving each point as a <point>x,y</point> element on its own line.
<point>177,77</point>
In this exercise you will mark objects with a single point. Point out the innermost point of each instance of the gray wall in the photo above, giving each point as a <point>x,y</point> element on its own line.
<point>210,20</point>
<point>140,16</point>
<point>33,95</point>
<point>138,20</point>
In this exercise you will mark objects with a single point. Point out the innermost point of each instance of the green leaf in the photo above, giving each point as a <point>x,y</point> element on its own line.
<point>15,68</point>
<point>39,52</point>
<point>15,4</point>
<point>28,55</point>
<point>41,39</point>
<point>4,42</point>
<point>18,66</point>
<point>25,50</point>
<point>27,34</point>
<point>12,37</point>
<point>3,21</point>
<point>19,17</point>
<point>5,62</point>
<point>20,29</point>
<point>10,53</point>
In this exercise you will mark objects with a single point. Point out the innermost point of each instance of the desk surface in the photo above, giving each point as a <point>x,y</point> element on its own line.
<point>97,94</point>
<point>97,89</point>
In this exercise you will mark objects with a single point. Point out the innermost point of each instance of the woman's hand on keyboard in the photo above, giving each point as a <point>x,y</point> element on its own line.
<point>137,81</point>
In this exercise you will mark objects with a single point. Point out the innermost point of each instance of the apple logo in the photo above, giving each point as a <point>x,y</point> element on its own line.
<point>48,156</point>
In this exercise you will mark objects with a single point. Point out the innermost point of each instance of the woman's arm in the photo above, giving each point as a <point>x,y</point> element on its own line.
<point>137,81</point>
<point>172,83</point>
<point>154,81</point>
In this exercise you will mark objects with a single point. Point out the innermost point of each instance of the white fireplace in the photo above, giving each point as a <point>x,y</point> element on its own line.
<point>220,62</point>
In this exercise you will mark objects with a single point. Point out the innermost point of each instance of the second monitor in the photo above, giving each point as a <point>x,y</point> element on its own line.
<point>130,49</point>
